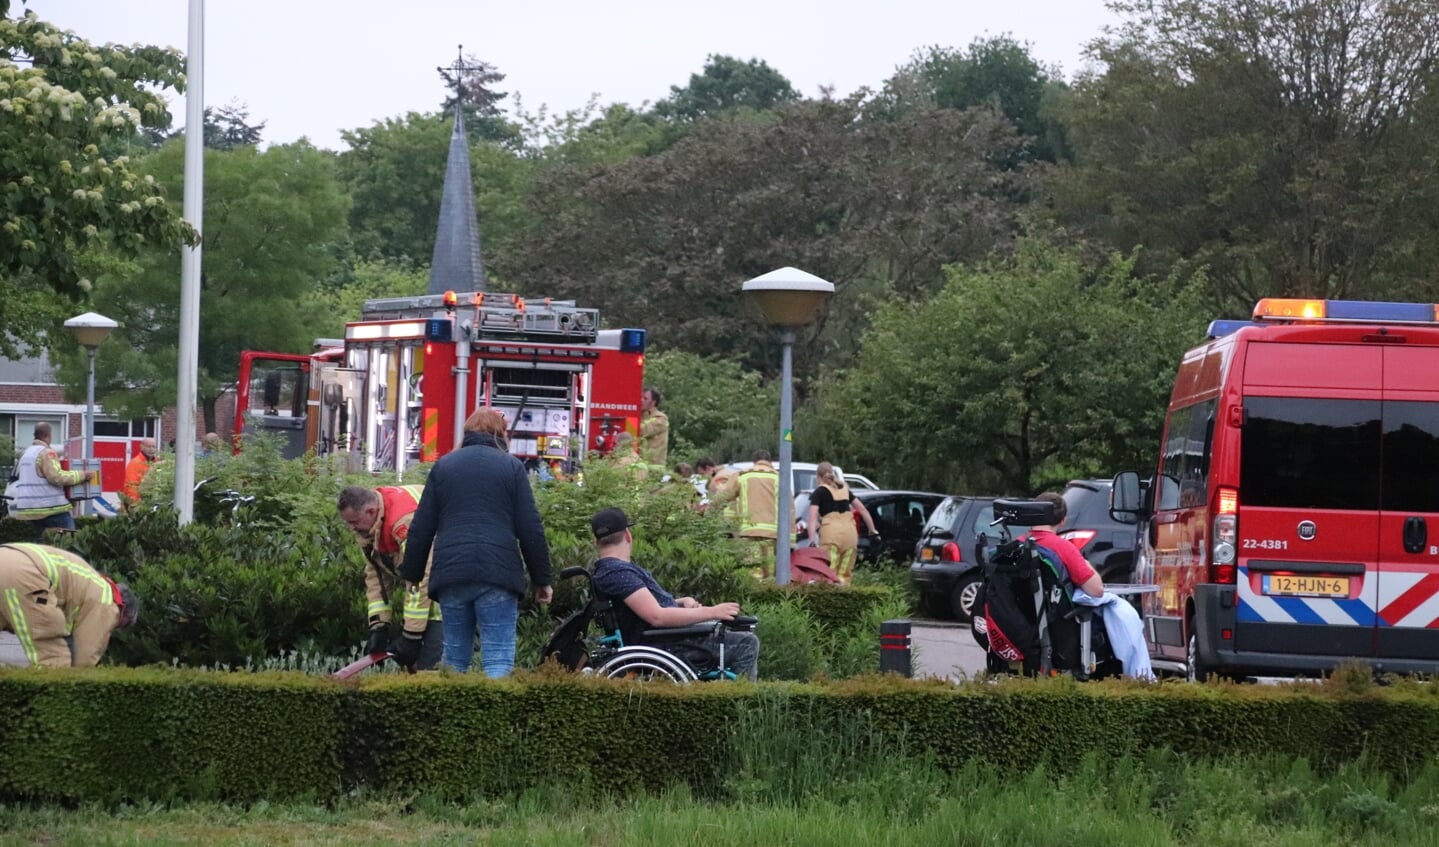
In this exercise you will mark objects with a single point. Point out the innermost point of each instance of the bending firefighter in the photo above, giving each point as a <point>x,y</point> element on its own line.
<point>60,608</point>
<point>381,519</point>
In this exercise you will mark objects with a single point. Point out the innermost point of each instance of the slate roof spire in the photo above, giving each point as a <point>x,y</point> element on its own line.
<point>457,264</point>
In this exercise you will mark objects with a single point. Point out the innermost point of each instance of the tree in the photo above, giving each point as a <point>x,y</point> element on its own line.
<point>665,241</point>
<point>394,172</point>
<point>727,84</point>
<point>228,127</point>
<point>268,217</point>
<point>998,73</point>
<point>328,308</point>
<point>66,196</point>
<point>1019,374</point>
<point>1287,146</point>
<point>716,407</point>
<point>473,87</point>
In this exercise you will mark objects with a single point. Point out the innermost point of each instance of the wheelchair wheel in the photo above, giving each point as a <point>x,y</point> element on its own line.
<point>645,664</point>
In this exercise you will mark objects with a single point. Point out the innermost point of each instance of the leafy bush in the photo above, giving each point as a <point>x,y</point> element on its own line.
<point>287,492</point>
<point>287,577</point>
<point>833,608</point>
<point>790,640</point>
<point>16,531</point>
<point>230,595</point>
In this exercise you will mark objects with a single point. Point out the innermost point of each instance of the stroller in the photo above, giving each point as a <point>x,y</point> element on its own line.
<point>1025,610</point>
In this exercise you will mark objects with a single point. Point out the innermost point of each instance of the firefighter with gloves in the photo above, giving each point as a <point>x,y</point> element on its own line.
<point>60,608</point>
<point>380,519</point>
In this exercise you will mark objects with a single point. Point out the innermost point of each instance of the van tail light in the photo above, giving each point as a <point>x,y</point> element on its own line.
<point>949,552</point>
<point>1225,543</point>
<point>1079,537</point>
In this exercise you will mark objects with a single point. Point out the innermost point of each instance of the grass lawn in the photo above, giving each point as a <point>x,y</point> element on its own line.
<point>1160,801</point>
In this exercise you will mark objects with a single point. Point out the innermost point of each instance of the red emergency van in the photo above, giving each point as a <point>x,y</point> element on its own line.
<point>1288,521</point>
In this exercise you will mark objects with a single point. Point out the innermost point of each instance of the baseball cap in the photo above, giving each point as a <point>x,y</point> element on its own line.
<point>608,521</point>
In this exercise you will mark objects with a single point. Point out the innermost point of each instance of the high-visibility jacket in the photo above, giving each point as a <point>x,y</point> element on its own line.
<point>134,475</point>
<point>48,595</point>
<point>40,486</point>
<point>384,551</point>
<point>757,493</point>
<point>655,437</point>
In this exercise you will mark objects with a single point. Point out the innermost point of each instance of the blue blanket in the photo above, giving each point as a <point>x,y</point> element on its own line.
<point>1125,629</point>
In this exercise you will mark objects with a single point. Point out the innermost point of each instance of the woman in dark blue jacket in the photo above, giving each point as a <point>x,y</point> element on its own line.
<point>478,513</point>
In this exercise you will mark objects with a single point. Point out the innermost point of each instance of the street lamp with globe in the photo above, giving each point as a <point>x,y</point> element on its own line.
<point>789,299</point>
<point>90,329</point>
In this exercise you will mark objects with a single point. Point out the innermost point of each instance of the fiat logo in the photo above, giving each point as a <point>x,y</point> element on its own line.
<point>1307,530</point>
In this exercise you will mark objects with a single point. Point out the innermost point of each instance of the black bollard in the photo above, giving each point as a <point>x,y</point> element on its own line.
<point>894,654</point>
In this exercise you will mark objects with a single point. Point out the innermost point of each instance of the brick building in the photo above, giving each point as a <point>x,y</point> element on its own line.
<point>29,394</point>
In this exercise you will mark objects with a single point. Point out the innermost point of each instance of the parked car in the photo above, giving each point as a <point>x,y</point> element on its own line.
<point>947,576</point>
<point>944,569</point>
<point>899,516</point>
<point>802,475</point>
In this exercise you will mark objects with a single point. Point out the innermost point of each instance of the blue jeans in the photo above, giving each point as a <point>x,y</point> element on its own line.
<point>496,612</point>
<point>64,520</point>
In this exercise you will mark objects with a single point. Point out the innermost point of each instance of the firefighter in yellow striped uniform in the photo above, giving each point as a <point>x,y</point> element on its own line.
<point>60,608</point>
<point>753,498</point>
<point>380,518</point>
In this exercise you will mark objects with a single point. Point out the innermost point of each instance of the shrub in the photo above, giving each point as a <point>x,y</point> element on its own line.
<point>229,595</point>
<point>789,640</point>
<point>16,531</point>
<point>833,608</point>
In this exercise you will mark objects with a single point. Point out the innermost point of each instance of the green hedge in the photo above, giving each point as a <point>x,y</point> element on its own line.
<point>16,531</point>
<point>832,607</point>
<point>159,734</point>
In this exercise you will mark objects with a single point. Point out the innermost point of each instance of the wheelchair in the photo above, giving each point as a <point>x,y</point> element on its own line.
<point>1025,611</point>
<point>626,647</point>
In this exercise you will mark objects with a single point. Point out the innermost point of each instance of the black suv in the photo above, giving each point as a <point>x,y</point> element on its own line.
<point>947,576</point>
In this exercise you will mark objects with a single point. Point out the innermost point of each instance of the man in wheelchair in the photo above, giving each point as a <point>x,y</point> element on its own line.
<point>642,606</point>
<point>1041,599</point>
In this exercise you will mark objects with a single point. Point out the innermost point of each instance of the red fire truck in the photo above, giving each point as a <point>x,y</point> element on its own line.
<point>397,388</point>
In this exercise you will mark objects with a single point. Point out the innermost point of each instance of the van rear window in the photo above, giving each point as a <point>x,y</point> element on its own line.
<point>1319,454</point>
<point>1411,456</point>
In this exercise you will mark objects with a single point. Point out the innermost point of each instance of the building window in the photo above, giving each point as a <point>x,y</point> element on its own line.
<point>137,428</point>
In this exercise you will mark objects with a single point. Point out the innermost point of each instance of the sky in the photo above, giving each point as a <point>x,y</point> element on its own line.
<point>313,68</point>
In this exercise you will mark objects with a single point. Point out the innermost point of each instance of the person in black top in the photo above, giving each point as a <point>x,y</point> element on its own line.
<point>831,524</point>
<point>617,577</point>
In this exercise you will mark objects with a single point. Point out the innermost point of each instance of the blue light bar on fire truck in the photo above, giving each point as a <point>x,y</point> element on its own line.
<point>1345,311</point>
<point>1221,328</point>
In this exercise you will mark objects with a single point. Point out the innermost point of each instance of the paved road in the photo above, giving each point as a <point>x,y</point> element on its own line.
<point>945,649</point>
<point>10,652</point>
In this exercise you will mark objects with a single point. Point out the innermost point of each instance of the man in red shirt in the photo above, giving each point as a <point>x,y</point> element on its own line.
<point>1081,573</point>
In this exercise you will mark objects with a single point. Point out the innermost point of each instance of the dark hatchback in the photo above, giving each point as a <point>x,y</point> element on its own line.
<point>944,568</point>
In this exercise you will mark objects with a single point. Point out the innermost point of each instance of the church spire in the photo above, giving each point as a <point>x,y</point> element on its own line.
<point>457,264</point>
